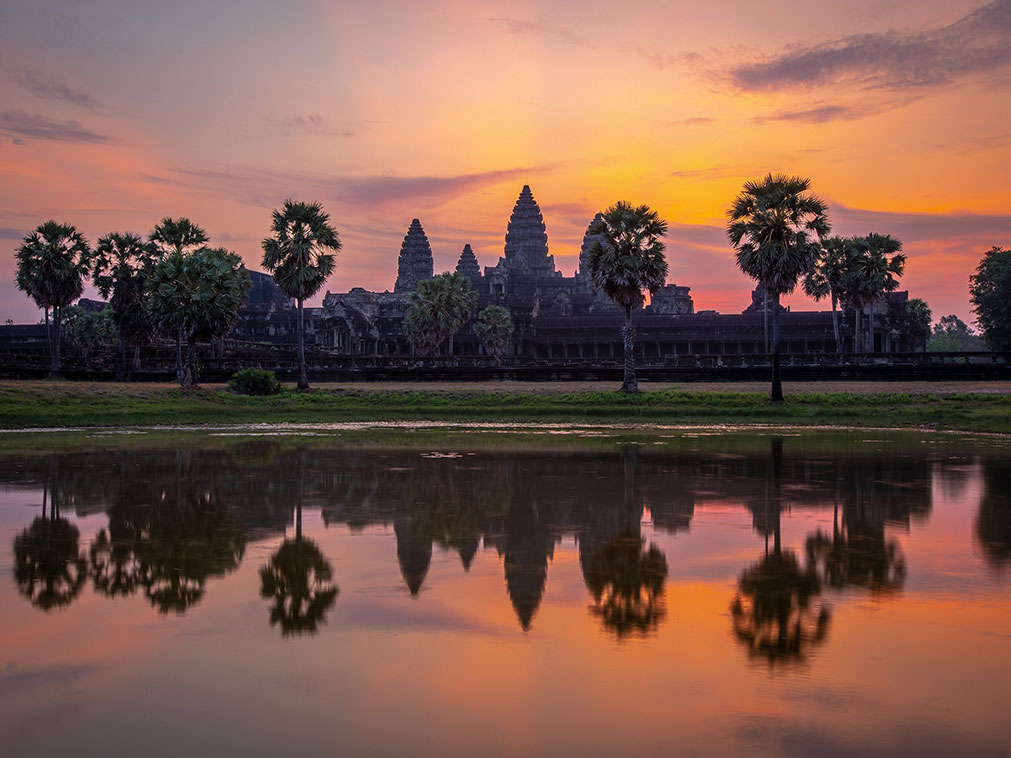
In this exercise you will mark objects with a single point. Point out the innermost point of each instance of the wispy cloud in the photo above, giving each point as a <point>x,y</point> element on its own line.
<point>914,227</point>
<point>362,192</point>
<point>818,114</point>
<point>309,123</point>
<point>708,173</point>
<point>18,125</point>
<point>693,121</point>
<point>48,87</point>
<point>977,42</point>
<point>10,233</point>
<point>542,28</point>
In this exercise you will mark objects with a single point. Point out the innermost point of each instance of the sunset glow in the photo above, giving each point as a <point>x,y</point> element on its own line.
<point>116,114</point>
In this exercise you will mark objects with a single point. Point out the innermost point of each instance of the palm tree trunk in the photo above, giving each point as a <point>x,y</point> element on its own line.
<point>858,325</point>
<point>628,337</point>
<point>777,375</point>
<point>54,368</point>
<point>121,364</point>
<point>870,330</point>
<point>179,355</point>
<point>835,326</point>
<point>303,374</point>
<point>49,336</point>
<point>765,316</point>
<point>188,381</point>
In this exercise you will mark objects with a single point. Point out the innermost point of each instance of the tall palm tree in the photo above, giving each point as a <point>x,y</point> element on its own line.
<point>177,235</point>
<point>297,257</point>
<point>873,270</point>
<point>52,262</point>
<point>826,279</point>
<point>120,267</point>
<point>771,226</point>
<point>438,309</point>
<point>625,260</point>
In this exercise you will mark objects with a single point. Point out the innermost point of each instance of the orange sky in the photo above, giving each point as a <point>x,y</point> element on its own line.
<point>115,114</point>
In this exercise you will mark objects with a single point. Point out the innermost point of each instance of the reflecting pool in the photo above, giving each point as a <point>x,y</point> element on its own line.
<point>499,592</point>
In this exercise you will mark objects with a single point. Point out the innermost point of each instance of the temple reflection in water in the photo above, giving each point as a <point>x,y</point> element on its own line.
<point>281,592</point>
<point>180,519</point>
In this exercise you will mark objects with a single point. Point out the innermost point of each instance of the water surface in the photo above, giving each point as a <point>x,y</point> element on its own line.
<point>487,592</point>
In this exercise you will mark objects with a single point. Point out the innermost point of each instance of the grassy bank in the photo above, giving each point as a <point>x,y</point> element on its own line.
<point>66,404</point>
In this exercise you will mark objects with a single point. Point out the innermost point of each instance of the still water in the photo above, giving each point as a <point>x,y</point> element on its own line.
<point>483,592</point>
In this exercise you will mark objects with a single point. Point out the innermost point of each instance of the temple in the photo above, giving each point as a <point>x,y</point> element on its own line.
<point>563,317</point>
<point>555,317</point>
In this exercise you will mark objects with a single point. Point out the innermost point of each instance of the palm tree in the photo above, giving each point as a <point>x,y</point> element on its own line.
<point>177,235</point>
<point>626,259</point>
<point>120,267</point>
<point>297,257</point>
<point>770,226</point>
<point>197,297</point>
<point>826,279</point>
<point>870,274</point>
<point>51,264</point>
<point>438,309</point>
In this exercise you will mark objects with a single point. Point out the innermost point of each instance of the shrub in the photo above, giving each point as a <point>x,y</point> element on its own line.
<point>254,381</point>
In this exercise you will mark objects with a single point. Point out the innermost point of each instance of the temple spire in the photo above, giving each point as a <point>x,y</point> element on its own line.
<point>526,240</point>
<point>468,265</point>
<point>415,263</point>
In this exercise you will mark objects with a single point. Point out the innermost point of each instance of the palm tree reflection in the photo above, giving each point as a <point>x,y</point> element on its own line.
<point>298,579</point>
<point>49,568</point>
<point>624,577</point>
<point>777,612</point>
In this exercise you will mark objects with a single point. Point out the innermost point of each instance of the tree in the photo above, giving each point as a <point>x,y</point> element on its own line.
<point>120,267</point>
<point>197,297</point>
<point>90,330</point>
<point>494,328</point>
<point>918,316</point>
<point>771,226</point>
<point>51,264</point>
<point>439,307</point>
<point>990,292</point>
<point>873,270</point>
<point>952,334</point>
<point>297,257</point>
<point>177,235</point>
<point>626,259</point>
<point>826,278</point>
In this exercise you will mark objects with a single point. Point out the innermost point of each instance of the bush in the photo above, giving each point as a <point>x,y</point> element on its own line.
<point>254,381</point>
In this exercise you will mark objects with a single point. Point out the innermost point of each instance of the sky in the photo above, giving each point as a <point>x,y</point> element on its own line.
<point>117,113</point>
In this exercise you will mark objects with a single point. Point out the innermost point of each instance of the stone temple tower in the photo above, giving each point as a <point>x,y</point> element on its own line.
<point>415,263</point>
<point>526,240</point>
<point>468,265</point>
<point>583,274</point>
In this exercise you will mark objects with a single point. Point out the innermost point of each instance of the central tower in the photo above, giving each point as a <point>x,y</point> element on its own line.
<point>526,240</point>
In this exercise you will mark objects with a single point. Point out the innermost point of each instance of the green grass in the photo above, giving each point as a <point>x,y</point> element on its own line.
<point>66,404</point>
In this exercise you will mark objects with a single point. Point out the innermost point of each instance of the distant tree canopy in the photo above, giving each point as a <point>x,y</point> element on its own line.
<point>90,330</point>
<point>952,335</point>
<point>437,310</point>
<point>197,296</point>
<point>494,328</point>
<point>990,292</point>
